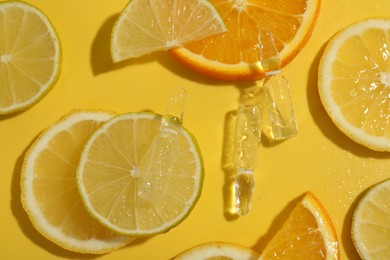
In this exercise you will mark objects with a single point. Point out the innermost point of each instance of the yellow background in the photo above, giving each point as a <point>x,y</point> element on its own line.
<point>320,159</point>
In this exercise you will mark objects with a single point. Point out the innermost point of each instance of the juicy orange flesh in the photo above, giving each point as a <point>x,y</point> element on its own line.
<point>299,238</point>
<point>26,45</point>
<point>280,17</point>
<point>358,87</point>
<point>119,171</point>
<point>55,184</point>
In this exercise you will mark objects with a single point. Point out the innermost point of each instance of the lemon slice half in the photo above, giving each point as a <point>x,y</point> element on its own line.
<point>156,25</point>
<point>30,56</point>
<point>371,223</point>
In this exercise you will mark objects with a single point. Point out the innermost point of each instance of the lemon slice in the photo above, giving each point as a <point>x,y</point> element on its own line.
<point>155,25</point>
<point>218,250</point>
<point>29,56</point>
<point>49,189</point>
<point>371,223</point>
<point>128,190</point>
<point>354,82</point>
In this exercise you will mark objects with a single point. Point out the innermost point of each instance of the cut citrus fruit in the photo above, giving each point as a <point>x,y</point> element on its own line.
<point>371,223</point>
<point>147,26</point>
<point>219,250</point>
<point>128,189</point>
<point>354,82</point>
<point>49,188</point>
<point>234,55</point>
<point>29,56</point>
<point>308,233</point>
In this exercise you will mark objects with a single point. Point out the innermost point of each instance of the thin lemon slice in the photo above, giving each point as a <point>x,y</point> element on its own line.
<point>308,233</point>
<point>155,25</point>
<point>371,223</point>
<point>219,250</point>
<point>29,56</point>
<point>49,189</point>
<point>129,190</point>
<point>354,82</point>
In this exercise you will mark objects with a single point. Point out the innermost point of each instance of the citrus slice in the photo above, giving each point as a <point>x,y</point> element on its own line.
<point>218,250</point>
<point>371,223</point>
<point>234,55</point>
<point>308,233</point>
<point>354,82</point>
<point>29,56</point>
<point>49,189</point>
<point>128,186</point>
<point>155,25</point>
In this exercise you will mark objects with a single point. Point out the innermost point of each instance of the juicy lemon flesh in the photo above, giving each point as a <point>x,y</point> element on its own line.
<point>361,81</point>
<point>29,56</point>
<point>218,251</point>
<point>253,16</point>
<point>371,224</point>
<point>117,171</point>
<point>50,193</point>
<point>147,26</point>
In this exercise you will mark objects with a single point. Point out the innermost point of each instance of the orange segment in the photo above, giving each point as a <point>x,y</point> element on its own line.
<point>308,233</point>
<point>234,55</point>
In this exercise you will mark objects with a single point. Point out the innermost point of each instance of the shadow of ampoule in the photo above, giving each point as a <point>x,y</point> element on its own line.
<point>227,164</point>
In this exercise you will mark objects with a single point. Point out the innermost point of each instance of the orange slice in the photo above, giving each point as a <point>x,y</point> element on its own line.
<point>308,233</point>
<point>234,54</point>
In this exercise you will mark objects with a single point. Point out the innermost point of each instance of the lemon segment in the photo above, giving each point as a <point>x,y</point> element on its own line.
<point>371,223</point>
<point>123,188</point>
<point>49,190</point>
<point>148,26</point>
<point>354,82</point>
<point>30,56</point>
